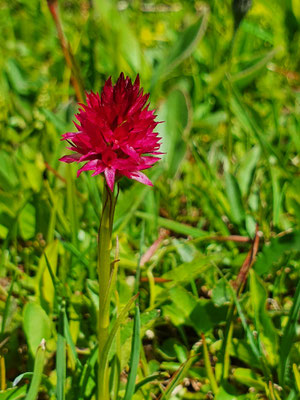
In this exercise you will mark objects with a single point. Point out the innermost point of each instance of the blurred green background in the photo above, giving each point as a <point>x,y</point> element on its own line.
<point>230,102</point>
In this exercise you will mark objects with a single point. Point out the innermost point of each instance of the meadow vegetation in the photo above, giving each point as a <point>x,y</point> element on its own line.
<point>215,242</point>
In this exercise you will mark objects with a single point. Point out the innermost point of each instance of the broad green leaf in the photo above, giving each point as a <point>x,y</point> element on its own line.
<point>275,249</point>
<point>36,324</point>
<point>235,199</point>
<point>249,378</point>
<point>183,300</point>
<point>3,231</point>
<point>27,222</point>
<point>16,77</point>
<point>14,393</point>
<point>33,172</point>
<point>182,48</point>
<point>173,313</point>
<point>185,250</point>
<point>8,175</point>
<point>264,326</point>
<point>187,271</point>
<point>181,352</point>
<point>205,316</point>
<point>230,393</point>
<point>127,39</point>
<point>201,314</point>
<point>59,124</point>
<point>175,112</point>
<point>296,9</point>
<point>44,281</point>
<point>221,293</point>
<point>246,169</point>
<point>183,303</point>
<point>241,350</point>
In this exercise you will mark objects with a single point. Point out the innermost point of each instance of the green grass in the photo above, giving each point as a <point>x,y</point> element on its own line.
<point>231,136</point>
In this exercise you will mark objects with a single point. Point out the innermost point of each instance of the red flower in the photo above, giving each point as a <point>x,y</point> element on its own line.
<point>115,133</point>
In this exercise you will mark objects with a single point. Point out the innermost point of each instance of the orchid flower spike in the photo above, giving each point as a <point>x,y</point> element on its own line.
<point>115,133</point>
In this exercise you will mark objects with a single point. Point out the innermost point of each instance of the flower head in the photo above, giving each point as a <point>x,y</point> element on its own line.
<point>115,133</point>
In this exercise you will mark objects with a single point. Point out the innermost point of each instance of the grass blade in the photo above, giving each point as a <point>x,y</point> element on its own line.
<point>254,347</point>
<point>292,396</point>
<point>61,356</point>
<point>87,371</point>
<point>69,340</point>
<point>37,372</point>
<point>135,355</point>
<point>235,199</point>
<point>71,199</point>
<point>115,376</point>
<point>182,48</point>
<point>297,376</point>
<point>248,123</point>
<point>112,335</point>
<point>20,377</point>
<point>289,335</point>
<point>148,379</point>
<point>173,225</point>
<point>14,393</point>
<point>178,376</point>
<point>208,367</point>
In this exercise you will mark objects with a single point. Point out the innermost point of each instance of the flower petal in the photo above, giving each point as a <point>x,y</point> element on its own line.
<point>70,158</point>
<point>129,150</point>
<point>140,177</point>
<point>90,166</point>
<point>110,177</point>
<point>99,170</point>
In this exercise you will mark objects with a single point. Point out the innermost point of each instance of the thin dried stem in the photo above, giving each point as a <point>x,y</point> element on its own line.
<point>66,48</point>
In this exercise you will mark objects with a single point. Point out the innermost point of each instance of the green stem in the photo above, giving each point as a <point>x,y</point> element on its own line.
<point>226,346</point>
<point>208,367</point>
<point>104,249</point>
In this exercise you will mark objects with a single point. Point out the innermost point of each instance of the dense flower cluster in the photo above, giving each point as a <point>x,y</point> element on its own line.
<point>115,133</point>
